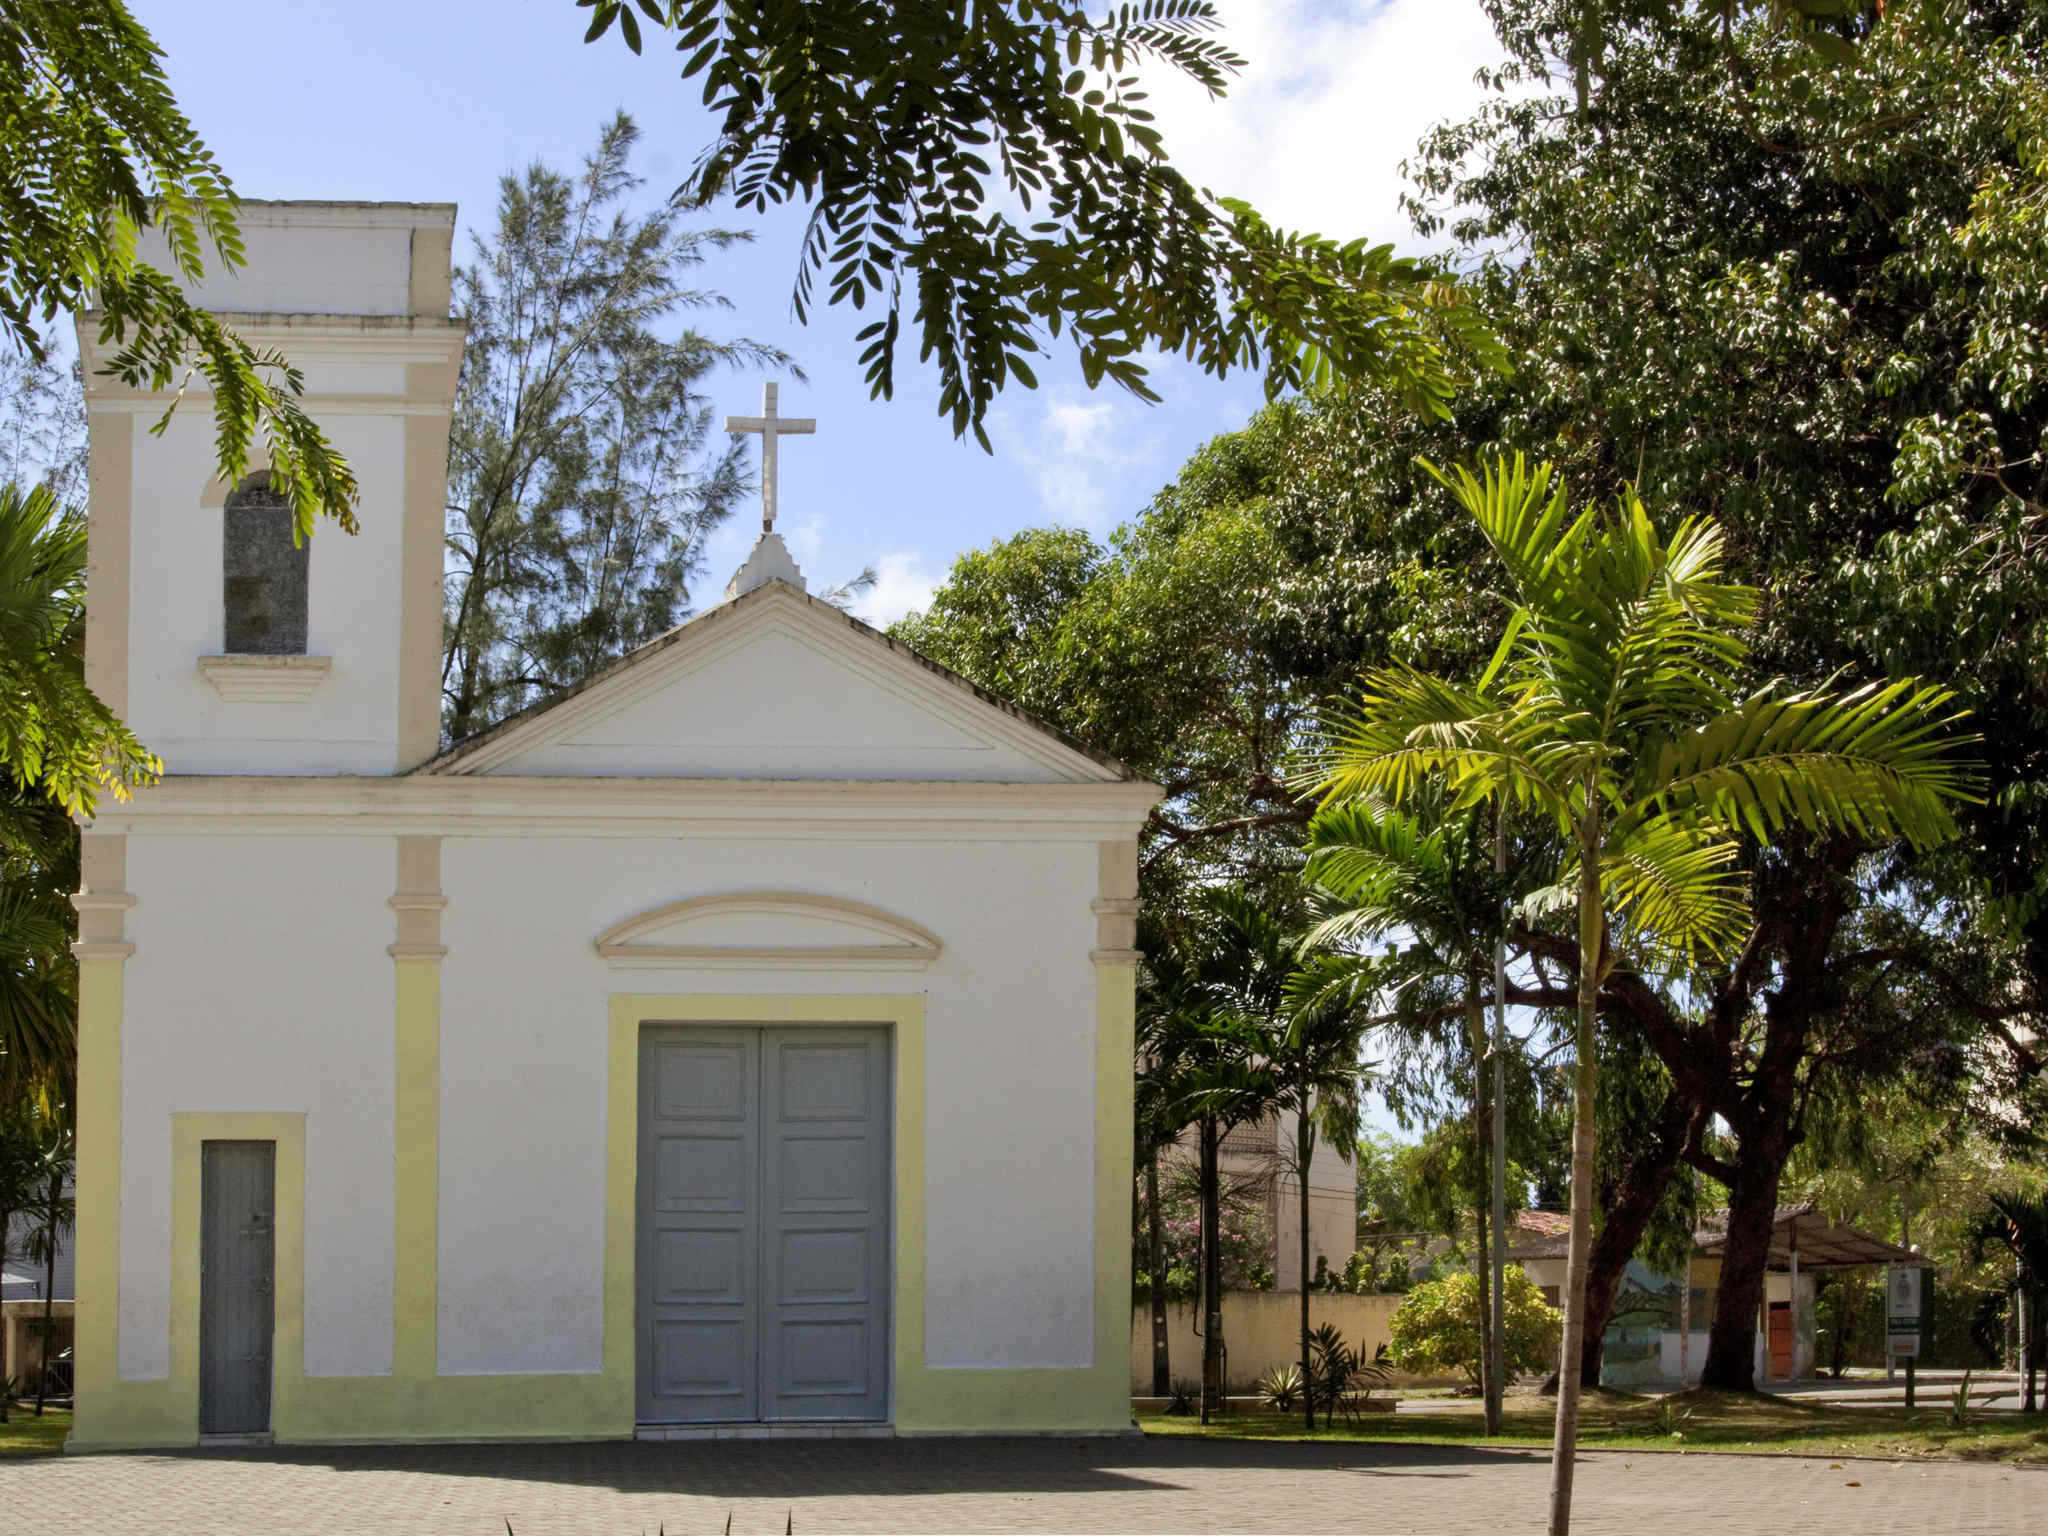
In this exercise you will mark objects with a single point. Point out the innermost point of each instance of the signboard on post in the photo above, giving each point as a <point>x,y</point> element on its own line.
<point>1905,1297</point>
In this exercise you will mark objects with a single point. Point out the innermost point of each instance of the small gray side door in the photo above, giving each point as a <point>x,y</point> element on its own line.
<point>699,1226</point>
<point>825,1255</point>
<point>237,1259</point>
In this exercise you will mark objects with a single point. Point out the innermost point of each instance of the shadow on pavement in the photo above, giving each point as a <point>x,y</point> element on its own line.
<point>796,1469</point>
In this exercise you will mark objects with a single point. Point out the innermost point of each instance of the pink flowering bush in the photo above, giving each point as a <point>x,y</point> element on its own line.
<point>1246,1240</point>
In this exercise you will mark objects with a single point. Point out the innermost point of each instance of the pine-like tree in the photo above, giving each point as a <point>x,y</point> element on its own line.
<point>584,472</point>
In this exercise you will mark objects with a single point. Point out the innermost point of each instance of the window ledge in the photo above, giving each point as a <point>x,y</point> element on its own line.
<point>265,679</point>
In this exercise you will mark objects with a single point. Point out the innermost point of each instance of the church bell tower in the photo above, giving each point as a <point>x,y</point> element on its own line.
<point>228,647</point>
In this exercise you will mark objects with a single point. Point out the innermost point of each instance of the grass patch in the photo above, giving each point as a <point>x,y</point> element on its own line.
<point>1688,1421</point>
<point>26,1435</point>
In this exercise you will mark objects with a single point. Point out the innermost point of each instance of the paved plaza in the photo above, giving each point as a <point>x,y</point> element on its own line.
<point>996,1485</point>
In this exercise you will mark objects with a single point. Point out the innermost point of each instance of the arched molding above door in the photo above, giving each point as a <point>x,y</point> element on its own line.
<point>781,930</point>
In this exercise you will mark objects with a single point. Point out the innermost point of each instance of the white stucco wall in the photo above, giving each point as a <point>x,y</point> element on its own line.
<point>350,724</point>
<point>347,259</point>
<point>1010,1061</point>
<point>259,983</point>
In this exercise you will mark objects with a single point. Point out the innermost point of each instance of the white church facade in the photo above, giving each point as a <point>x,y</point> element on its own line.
<point>744,1038</point>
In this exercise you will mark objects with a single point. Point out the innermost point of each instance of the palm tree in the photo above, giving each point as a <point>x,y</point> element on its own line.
<point>20,1162</point>
<point>2019,1222</point>
<point>1611,709</point>
<point>1386,873</point>
<point>55,734</point>
<point>50,1209</point>
<point>1246,1040</point>
<point>1206,1067</point>
<point>38,976</point>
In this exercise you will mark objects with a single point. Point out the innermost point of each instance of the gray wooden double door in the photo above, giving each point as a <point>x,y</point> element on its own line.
<point>763,1264</point>
<point>237,1273</point>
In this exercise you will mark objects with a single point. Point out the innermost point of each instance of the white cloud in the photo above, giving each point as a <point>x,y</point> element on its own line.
<point>1083,456</point>
<point>1331,100</point>
<point>902,583</point>
<point>805,537</point>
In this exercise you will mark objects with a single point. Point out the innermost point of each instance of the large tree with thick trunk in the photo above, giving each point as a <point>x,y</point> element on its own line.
<point>1837,986</point>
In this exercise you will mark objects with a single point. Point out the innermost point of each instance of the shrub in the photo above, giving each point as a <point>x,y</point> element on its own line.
<point>1371,1271</point>
<point>1435,1332</point>
<point>1280,1388</point>
<point>1247,1236</point>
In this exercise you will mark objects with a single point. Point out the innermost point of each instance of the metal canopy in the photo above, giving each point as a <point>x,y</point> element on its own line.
<point>1819,1243</point>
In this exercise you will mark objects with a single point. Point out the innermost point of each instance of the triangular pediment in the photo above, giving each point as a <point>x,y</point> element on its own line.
<point>778,685</point>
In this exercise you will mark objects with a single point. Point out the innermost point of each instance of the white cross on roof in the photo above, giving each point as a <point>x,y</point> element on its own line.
<point>771,427</point>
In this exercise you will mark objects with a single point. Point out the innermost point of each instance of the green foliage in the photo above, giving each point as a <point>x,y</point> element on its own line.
<point>38,974</point>
<point>1826,331</point>
<point>584,471</point>
<point>1959,1415</point>
<point>1382,1189</point>
<point>55,734</point>
<point>1195,646</point>
<point>997,618</point>
<point>35,1162</point>
<point>1375,1271</point>
<point>96,152</point>
<point>1435,1331</point>
<point>1612,710</point>
<point>911,129</point>
<point>1848,1320</point>
<point>1337,1373</point>
<point>1280,1388</point>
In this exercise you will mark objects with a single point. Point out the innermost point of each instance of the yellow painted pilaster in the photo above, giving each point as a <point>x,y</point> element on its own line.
<point>102,950</point>
<point>416,960</point>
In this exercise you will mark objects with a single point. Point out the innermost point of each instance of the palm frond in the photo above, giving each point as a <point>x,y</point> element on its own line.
<point>1676,888</point>
<point>1878,762</point>
<point>54,732</point>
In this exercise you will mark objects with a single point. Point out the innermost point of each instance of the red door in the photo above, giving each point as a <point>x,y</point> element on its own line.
<point>1781,1341</point>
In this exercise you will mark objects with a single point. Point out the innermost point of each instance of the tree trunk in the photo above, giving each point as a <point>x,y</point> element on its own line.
<point>1304,1152</point>
<point>6,1391</point>
<point>2023,1313</point>
<point>1489,1378</point>
<point>1162,1373</point>
<point>1752,1212</point>
<point>49,1292</point>
<point>1212,1274</point>
<point>1626,1218</point>
<point>1585,1086</point>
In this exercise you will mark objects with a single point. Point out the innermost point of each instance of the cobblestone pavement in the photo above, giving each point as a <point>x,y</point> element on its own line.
<point>996,1485</point>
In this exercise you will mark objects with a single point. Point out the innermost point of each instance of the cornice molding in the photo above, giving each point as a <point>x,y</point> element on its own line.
<point>134,403</point>
<point>306,339</point>
<point>416,951</point>
<point>822,810</point>
<point>102,901</point>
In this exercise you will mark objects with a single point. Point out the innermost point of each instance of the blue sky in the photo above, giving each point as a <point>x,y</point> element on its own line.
<point>432,102</point>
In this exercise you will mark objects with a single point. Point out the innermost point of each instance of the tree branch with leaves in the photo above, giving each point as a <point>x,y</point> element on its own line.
<point>912,130</point>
